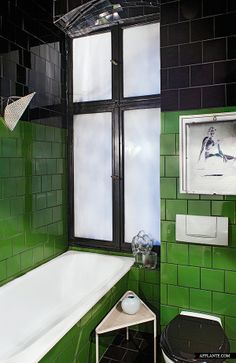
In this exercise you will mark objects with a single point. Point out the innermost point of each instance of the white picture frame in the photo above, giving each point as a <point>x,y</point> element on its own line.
<point>208,153</point>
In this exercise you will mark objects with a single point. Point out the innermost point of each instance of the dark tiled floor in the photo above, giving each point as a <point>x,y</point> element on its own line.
<point>139,349</point>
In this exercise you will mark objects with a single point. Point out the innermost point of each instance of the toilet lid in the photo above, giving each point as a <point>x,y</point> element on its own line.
<point>186,335</point>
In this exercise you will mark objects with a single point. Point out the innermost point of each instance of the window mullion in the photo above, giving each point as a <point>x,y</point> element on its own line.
<point>116,176</point>
<point>115,64</point>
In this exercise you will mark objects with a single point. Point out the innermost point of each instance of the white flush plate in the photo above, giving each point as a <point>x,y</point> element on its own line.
<point>202,229</point>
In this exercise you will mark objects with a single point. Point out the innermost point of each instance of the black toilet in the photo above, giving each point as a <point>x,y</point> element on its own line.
<point>190,333</point>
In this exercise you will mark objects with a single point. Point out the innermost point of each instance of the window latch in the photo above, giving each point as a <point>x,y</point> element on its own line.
<point>114,62</point>
<point>115,177</point>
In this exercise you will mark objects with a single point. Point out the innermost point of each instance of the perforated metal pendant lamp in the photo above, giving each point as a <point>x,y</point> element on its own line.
<point>15,109</point>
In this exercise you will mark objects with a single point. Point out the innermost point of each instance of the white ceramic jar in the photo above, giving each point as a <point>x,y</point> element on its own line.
<point>130,304</point>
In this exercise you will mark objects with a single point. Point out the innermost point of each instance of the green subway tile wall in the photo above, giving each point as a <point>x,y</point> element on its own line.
<point>33,208</point>
<point>195,277</point>
<point>146,284</point>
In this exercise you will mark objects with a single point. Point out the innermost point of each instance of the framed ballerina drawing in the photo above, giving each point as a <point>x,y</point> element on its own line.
<point>208,154</point>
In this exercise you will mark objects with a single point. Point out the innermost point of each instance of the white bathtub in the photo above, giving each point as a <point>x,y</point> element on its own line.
<point>40,307</point>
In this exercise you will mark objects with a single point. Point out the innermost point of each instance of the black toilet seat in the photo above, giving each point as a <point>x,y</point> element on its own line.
<point>186,335</point>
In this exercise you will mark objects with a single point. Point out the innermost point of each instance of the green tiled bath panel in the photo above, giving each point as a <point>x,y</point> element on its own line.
<point>79,343</point>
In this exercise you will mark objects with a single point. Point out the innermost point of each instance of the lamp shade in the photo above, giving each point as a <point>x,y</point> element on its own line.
<point>13,111</point>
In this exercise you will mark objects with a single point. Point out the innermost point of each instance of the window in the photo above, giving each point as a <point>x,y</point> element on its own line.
<point>93,186</point>
<point>141,57</point>
<point>92,68</point>
<point>115,136</point>
<point>141,170</point>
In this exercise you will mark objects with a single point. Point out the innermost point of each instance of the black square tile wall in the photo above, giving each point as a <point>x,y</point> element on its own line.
<point>212,7</point>
<point>32,58</point>
<point>231,47</point>
<point>225,24</point>
<point>225,71</point>
<point>179,33</point>
<point>169,100</point>
<point>190,98</point>
<point>231,94</point>
<point>191,53</point>
<point>202,74</point>
<point>198,54</point>
<point>214,50</point>
<point>213,96</point>
<point>170,12</point>
<point>169,57</point>
<point>202,29</point>
<point>179,77</point>
<point>190,10</point>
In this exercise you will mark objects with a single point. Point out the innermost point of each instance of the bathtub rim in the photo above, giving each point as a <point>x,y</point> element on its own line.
<point>52,260</point>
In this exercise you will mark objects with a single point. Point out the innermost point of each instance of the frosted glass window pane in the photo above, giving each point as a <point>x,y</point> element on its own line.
<point>141,141</point>
<point>92,176</point>
<point>92,68</point>
<point>141,52</point>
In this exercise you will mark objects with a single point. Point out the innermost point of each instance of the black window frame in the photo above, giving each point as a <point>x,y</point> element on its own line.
<point>116,105</point>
